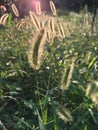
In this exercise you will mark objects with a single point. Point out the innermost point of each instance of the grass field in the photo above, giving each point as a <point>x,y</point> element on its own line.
<point>49,71</point>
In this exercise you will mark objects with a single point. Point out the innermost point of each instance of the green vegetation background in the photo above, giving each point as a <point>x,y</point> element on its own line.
<point>62,93</point>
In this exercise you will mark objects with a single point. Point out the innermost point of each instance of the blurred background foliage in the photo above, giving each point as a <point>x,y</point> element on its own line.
<point>72,5</point>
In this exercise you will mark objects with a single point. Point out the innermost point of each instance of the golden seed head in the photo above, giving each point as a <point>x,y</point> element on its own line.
<point>38,8</point>
<point>53,8</point>
<point>15,10</point>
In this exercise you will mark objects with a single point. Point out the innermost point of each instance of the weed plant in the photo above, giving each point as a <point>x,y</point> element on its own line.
<point>49,72</point>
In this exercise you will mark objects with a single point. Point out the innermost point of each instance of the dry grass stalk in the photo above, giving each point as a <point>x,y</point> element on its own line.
<point>53,8</point>
<point>4,18</point>
<point>34,20</point>
<point>38,8</point>
<point>15,10</point>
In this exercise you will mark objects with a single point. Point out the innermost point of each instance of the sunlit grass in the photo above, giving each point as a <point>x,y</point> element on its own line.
<point>49,72</point>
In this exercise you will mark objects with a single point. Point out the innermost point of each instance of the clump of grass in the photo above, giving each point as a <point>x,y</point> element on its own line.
<point>38,107</point>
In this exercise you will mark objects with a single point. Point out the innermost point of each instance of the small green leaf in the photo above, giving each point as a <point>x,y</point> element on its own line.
<point>92,62</point>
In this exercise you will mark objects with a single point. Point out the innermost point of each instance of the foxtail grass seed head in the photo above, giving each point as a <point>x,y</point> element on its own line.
<point>62,82</point>
<point>61,31</point>
<point>68,81</point>
<point>92,91</point>
<point>15,10</point>
<point>70,73</point>
<point>34,20</point>
<point>51,25</point>
<point>86,22</point>
<point>64,114</point>
<point>38,8</point>
<point>20,24</point>
<point>67,31</point>
<point>3,8</point>
<point>41,49</point>
<point>4,18</point>
<point>53,8</point>
<point>48,37</point>
<point>85,9</point>
<point>36,50</point>
<point>31,52</point>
